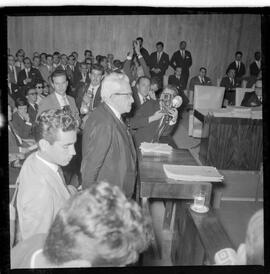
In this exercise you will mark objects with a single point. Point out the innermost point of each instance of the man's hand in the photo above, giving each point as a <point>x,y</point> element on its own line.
<point>156,116</point>
<point>173,113</point>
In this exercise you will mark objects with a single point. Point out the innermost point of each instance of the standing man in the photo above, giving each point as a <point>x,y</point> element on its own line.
<point>42,188</point>
<point>255,67</point>
<point>159,63</point>
<point>182,58</point>
<point>48,69</point>
<point>239,67</point>
<point>59,99</point>
<point>13,73</point>
<point>108,149</point>
<point>230,84</point>
<point>88,95</point>
<point>143,51</point>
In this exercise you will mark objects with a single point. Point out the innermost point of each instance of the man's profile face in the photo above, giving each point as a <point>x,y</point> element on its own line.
<point>123,101</point>
<point>71,60</point>
<point>60,84</point>
<point>62,150</point>
<point>183,45</point>
<point>95,76</point>
<point>257,56</point>
<point>144,87</point>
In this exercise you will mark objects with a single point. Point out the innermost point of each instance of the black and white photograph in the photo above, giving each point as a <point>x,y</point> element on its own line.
<point>134,137</point>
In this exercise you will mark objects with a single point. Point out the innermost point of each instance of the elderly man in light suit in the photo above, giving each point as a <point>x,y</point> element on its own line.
<point>108,151</point>
<point>42,189</point>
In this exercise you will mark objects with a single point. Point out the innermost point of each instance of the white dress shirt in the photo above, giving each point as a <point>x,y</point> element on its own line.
<point>63,100</point>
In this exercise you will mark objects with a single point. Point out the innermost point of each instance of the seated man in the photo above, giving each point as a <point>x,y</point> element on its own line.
<point>21,120</point>
<point>97,227</point>
<point>201,79</point>
<point>230,84</point>
<point>42,189</point>
<point>32,109</point>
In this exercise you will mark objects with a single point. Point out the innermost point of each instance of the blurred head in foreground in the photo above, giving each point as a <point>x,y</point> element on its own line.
<point>98,227</point>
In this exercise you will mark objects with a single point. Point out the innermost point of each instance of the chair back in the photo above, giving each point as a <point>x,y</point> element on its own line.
<point>239,95</point>
<point>208,97</point>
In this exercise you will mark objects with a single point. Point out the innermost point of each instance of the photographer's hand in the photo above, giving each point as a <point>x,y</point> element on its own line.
<point>156,116</point>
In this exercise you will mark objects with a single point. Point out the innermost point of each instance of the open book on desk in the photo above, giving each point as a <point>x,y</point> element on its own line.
<point>155,148</point>
<point>193,173</point>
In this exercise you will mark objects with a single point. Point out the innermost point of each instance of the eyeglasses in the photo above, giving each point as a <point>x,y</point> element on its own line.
<point>39,87</point>
<point>129,94</point>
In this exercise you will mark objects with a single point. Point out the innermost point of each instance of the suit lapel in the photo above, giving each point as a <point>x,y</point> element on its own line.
<point>123,129</point>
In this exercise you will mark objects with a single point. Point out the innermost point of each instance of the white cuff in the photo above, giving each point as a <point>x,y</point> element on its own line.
<point>28,123</point>
<point>139,56</point>
<point>172,122</point>
<point>129,58</point>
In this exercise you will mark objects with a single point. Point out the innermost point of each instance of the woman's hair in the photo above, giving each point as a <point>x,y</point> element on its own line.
<point>20,101</point>
<point>99,225</point>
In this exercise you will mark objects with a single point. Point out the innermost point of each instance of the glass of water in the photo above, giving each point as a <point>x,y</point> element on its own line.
<point>199,200</point>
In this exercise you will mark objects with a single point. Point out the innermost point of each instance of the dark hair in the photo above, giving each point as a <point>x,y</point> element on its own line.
<point>86,51</point>
<point>43,53</point>
<point>140,38</point>
<point>160,43</point>
<point>27,58</point>
<point>20,51</point>
<point>71,55</point>
<point>239,52</point>
<point>50,121</point>
<point>154,80</point>
<point>183,42</point>
<point>20,101</point>
<point>203,68</point>
<point>118,64</point>
<point>99,225</point>
<point>57,73</point>
<point>142,77</point>
<point>98,58</point>
<point>97,67</point>
<point>48,55</point>
<point>56,53</point>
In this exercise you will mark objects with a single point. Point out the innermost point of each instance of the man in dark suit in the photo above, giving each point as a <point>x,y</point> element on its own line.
<point>230,84</point>
<point>255,67</point>
<point>177,81</point>
<point>182,58</point>
<point>32,109</point>
<point>59,99</point>
<point>56,59</point>
<point>48,69</point>
<point>13,73</point>
<point>108,149</point>
<point>81,77</point>
<point>201,79</point>
<point>76,62</point>
<point>159,63</point>
<point>88,95</point>
<point>143,51</point>
<point>239,67</point>
<point>28,77</point>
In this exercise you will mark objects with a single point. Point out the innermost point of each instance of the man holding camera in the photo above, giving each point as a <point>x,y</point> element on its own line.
<point>147,118</point>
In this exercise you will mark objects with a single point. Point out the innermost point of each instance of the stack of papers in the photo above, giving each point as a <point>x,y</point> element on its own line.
<point>193,173</point>
<point>155,148</point>
<point>222,112</point>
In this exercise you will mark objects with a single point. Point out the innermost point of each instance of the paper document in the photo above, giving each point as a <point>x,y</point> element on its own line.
<point>155,147</point>
<point>193,173</point>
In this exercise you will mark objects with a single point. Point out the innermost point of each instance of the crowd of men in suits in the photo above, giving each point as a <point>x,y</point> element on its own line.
<point>73,124</point>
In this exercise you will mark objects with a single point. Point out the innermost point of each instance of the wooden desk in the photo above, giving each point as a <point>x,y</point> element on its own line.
<point>155,184</point>
<point>197,237</point>
<point>231,143</point>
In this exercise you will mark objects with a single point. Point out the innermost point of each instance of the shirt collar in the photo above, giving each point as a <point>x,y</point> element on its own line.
<point>117,114</point>
<point>141,97</point>
<point>52,166</point>
<point>60,96</point>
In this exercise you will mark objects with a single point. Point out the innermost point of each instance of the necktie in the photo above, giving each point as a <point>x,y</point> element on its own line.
<point>36,107</point>
<point>158,57</point>
<point>203,81</point>
<point>61,174</point>
<point>183,54</point>
<point>26,71</point>
<point>15,74</point>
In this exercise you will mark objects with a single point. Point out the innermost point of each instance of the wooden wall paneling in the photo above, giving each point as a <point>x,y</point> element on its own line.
<point>211,38</point>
